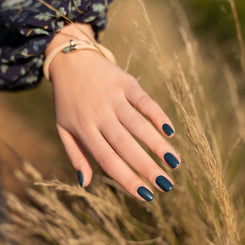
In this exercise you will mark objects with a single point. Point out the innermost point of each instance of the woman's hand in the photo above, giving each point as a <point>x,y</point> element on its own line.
<point>98,108</point>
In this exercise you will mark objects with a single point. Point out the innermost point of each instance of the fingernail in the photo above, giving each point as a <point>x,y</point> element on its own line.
<point>164,183</point>
<point>80,178</point>
<point>145,193</point>
<point>171,160</point>
<point>167,129</point>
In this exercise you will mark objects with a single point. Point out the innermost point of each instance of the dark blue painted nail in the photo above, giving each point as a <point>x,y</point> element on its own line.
<point>164,183</point>
<point>171,160</point>
<point>145,193</point>
<point>167,129</point>
<point>80,178</point>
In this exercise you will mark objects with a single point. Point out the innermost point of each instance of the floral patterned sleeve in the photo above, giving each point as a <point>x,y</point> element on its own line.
<point>28,26</point>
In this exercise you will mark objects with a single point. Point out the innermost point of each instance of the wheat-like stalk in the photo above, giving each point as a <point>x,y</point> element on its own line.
<point>239,33</point>
<point>235,101</point>
<point>197,137</point>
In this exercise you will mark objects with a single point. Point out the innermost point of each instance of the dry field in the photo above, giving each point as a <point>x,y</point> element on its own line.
<point>204,95</point>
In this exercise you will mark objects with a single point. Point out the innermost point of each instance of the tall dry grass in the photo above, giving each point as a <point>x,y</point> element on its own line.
<point>206,205</point>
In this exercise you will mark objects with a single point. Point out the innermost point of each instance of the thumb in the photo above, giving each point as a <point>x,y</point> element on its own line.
<point>77,156</point>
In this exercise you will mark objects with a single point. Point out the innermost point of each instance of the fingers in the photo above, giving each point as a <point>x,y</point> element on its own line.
<point>129,150</point>
<point>142,102</point>
<point>115,167</point>
<point>77,156</point>
<point>144,131</point>
<point>117,152</point>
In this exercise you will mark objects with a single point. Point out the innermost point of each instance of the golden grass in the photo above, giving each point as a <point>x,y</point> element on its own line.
<point>181,92</point>
<point>204,207</point>
<point>239,33</point>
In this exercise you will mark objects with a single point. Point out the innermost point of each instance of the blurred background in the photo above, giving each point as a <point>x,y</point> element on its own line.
<point>27,118</point>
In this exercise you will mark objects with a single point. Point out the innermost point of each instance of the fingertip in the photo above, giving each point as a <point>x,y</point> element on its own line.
<point>145,193</point>
<point>80,178</point>
<point>171,160</point>
<point>168,130</point>
<point>84,179</point>
<point>86,182</point>
<point>164,183</point>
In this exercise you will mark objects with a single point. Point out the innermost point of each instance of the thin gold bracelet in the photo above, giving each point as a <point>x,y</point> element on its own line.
<point>75,45</point>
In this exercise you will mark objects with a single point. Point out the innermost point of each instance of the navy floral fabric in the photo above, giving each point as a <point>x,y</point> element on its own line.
<point>27,27</point>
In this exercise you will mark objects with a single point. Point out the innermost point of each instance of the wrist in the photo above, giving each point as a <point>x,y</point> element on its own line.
<point>77,31</point>
<point>74,37</point>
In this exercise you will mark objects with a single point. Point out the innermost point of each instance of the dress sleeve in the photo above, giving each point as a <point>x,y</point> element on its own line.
<point>28,26</point>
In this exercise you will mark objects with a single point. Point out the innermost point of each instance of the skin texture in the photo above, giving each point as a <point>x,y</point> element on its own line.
<point>98,109</point>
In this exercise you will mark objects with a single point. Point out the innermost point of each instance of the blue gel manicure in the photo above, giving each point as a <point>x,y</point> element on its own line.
<point>80,178</point>
<point>145,193</point>
<point>167,129</point>
<point>171,160</point>
<point>164,183</point>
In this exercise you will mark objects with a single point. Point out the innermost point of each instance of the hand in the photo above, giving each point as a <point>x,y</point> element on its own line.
<point>98,106</point>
